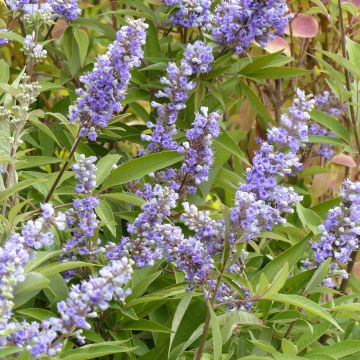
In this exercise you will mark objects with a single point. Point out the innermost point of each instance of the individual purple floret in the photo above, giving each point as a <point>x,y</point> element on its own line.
<point>107,83</point>
<point>3,41</point>
<point>197,58</point>
<point>237,23</point>
<point>340,230</point>
<point>190,13</point>
<point>67,9</point>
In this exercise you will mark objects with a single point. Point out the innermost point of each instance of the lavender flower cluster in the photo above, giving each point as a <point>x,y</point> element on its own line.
<point>261,202</point>
<point>33,50</point>
<point>198,153</point>
<point>197,58</point>
<point>190,13</point>
<point>328,103</point>
<point>107,83</point>
<point>237,23</point>
<point>17,251</point>
<point>83,301</point>
<point>81,218</point>
<point>50,9</point>
<point>145,243</point>
<point>340,230</point>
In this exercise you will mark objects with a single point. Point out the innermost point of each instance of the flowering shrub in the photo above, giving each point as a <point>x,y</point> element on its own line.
<point>179,180</point>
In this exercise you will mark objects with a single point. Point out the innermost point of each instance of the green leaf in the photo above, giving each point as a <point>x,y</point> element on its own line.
<point>278,282</point>
<point>319,275</point>
<point>254,357</point>
<point>142,285</point>
<point>340,349</point>
<point>257,105</point>
<point>33,284</point>
<point>152,46</point>
<point>216,334</point>
<point>345,63</point>
<point>125,197</point>
<point>106,215</point>
<point>4,71</point>
<point>308,338</point>
<point>309,218</point>
<point>227,142</point>
<point>139,167</point>
<point>354,307</point>
<point>71,50</point>
<point>33,161</point>
<point>145,325</point>
<point>288,347</point>
<point>45,129</point>
<point>18,187</point>
<point>8,350</point>
<point>179,314</point>
<point>82,40</point>
<point>277,73</point>
<point>12,36</point>
<point>105,166</point>
<point>313,170</point>
<point>37,314</point>
<point>353,49</point>
<point>263,346</point>
<point>331,123</point>
<point>305,304</point>
<point>95,351</point>
<point>57,267</point>
<point>317,139</point>
<point>40,258</point>
<point>290,256</point>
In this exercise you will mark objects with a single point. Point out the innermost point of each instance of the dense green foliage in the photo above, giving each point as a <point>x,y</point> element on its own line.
<point>293,315</point>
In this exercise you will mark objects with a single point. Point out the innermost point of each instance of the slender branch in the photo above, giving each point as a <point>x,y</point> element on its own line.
<point>49,32</point>
<point>67,161</point>
<point>350,267</point>
<point>114,20</point>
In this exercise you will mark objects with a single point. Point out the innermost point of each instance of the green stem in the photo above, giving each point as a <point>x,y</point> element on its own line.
<point>64,167</point>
